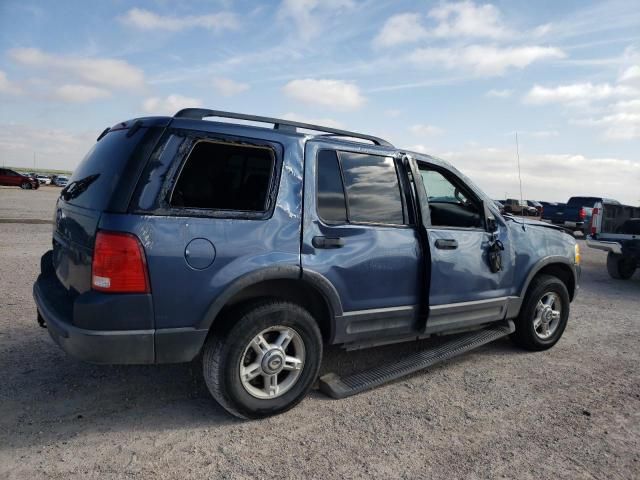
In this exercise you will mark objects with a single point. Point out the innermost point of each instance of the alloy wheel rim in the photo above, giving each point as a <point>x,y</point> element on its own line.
<point>547,315</point>
<point>272,362</point>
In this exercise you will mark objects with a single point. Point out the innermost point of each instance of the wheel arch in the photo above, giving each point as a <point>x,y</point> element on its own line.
<point>309,290</point>
<point>558,266</point>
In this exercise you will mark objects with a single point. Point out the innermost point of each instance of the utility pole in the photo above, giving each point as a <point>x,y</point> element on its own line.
<point>34,162</point>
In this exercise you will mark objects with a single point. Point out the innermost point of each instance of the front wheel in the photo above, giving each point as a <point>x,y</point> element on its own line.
<point>25,186</point>
<point>543,315</point>
<point>619,267</point>
<point>266,362</point>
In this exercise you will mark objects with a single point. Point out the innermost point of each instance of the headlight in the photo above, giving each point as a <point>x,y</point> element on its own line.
<point>577,254</point>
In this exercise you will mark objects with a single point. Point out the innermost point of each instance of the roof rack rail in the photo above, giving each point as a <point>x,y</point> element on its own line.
<point>278,124</point>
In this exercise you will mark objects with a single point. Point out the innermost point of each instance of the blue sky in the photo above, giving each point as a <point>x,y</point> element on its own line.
<point>454,79</point>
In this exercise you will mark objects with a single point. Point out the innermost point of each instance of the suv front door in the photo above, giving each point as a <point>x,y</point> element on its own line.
<point>463,291</point>
<point>358,236</point>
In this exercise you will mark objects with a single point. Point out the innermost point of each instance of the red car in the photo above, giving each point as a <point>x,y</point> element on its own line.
<point>15,179</point>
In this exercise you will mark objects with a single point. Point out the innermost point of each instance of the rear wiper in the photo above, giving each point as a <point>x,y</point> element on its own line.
<point>77,187</point>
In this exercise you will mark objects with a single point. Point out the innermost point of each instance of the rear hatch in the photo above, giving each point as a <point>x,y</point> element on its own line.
<point>103,182</point>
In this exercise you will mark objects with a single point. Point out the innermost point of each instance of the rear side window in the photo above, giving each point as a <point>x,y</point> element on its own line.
<point>373,192</point>
<point>370,192</point>
<point>221,176</point>
<point>332,206</point>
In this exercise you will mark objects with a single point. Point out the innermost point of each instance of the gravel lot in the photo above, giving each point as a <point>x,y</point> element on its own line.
<point>499,412</point>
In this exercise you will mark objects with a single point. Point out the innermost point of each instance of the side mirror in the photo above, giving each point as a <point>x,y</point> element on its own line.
<point>490,220</point>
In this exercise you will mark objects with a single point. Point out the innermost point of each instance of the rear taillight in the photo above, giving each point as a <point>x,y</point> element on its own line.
<point>594,215</point>
<point>582,214</point>
<point>119,264</point>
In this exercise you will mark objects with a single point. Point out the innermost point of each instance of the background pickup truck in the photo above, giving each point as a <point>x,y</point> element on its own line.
<point>575,214</point>
<point>615,229</point>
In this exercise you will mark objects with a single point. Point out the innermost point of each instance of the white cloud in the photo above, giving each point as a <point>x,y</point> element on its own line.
<point>495,171</point>
<point>335,94</point>
<point>499,93</point>
<point>228,87</point>
<point>425,130</point>
<point>54,148</point>
<point>621,121</point>
<point>466,19</point>
<point>147,20</point>
<point>631,74</point>
<point>484,60</point>
<point>400,29</point>
<point>104,72</point>
<point>7,86</point>
<point>540,133</point>
<point>169,105</point>
<point>325,122</point>
<point>310,17</point>
<point>80,93</point>
<point>576,93</point>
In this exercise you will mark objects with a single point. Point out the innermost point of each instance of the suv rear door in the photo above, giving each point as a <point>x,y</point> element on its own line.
<point>358,235</point>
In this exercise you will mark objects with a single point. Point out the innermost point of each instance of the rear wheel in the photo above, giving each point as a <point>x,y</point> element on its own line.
<point>25,186</point>
<point>620,267</point>
<point>543,315</point>
<point>266,362</point>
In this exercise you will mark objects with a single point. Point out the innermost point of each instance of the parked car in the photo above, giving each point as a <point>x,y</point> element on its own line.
<point>61,181</point>
<point>43,179</point>
<point>575,214</point>
<point>10,178</point>
<point>615,229</point>
<point>288,242</point>
<point>537,205</point>
<point>518,207</point>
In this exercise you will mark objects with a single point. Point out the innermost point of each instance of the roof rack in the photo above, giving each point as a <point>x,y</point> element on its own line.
<point>278,124</point>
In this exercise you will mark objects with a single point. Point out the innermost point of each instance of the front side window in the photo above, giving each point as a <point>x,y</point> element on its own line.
<point>449,204</point>
<point>221,176</point>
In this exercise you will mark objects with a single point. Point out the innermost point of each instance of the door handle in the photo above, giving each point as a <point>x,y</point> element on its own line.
<point>327,242</point>
<point>446,244</point>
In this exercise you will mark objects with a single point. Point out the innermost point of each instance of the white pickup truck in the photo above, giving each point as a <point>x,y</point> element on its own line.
<point>615,229</point>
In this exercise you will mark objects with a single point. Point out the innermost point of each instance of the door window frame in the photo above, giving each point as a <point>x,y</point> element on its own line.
<point>458,183</point>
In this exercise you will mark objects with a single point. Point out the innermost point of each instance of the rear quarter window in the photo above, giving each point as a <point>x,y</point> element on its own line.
<point>96,179</point>
<point>225,176</point>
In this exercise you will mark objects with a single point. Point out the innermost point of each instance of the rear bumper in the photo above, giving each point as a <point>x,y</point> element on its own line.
<point>94,346</point>
<point>574,224</point>
<point>613,247</point>
<point>121,325</point>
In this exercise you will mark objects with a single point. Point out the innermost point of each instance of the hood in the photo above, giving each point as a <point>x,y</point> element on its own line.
<point>536,223</point>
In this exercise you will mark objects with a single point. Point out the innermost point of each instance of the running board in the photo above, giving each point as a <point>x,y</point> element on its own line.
<point>338,387</point>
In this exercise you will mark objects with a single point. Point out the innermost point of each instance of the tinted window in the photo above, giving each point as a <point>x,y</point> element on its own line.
<point>220,176</point>
<point>372,188</point>
<point>582,201</point>
<point>331,202</point>
<point>94,181</point>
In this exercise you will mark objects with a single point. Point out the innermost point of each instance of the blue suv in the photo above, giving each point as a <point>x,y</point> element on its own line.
<point>250,247</point>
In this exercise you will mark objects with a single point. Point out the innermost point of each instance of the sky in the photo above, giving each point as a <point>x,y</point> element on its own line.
<point>455,79</point>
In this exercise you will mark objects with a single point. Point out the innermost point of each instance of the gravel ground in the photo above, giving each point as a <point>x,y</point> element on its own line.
<point>498,412</point>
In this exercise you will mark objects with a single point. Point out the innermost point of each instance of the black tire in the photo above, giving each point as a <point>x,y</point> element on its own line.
<point>26,186</point>
<point>224,351</point>
<point>525,335</point>
<point>619,267</point>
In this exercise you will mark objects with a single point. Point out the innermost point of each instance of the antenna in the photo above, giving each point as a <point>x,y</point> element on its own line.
<point>520,180</point>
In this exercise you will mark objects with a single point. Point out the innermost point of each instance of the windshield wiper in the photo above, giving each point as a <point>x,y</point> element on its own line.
<point>77,187</point>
